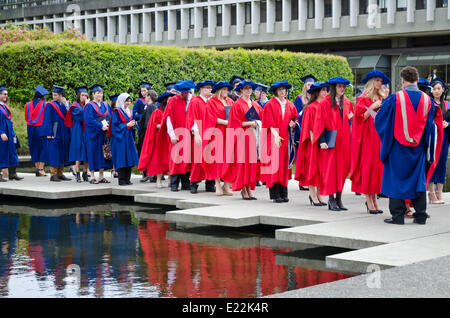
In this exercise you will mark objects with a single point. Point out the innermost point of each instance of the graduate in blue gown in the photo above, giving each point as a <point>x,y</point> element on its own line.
<point>123,149</point>
<point>34,115</point>
<point>8,138</point>
<point>438,97</point>
<point>97,115</point>
<point>261,94</point>
<point>74,120</point>
<point>139,105</point>
<point>404,147</point>
<point>57,134</point>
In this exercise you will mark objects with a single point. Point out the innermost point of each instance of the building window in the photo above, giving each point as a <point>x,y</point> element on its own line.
<point>328,10</point>
<point>382,6</point>
<point>311,4</point>
<point>345,7</point>
<point>166,20</point>
<point>205,17</point>
<point>219,15</point>
<point>278,10</point>
<point>248,13</point>
<point>263,11</point>
<point>152,21</point>
<point>233,14</point>
<point>441,3</point>
<point>191,18</point>
<point>363,6</point>
<point>421,4</point>
<point>178,13</point>
<point>294,10</point>
<point>401,5</point>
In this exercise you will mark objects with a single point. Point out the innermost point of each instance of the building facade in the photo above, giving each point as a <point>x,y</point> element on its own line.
<point>382,34</point>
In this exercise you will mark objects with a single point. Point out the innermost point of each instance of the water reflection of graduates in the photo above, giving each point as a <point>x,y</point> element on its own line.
<point>8,239</point>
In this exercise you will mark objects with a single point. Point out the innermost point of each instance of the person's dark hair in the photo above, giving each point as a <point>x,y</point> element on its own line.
<point>113,104</point>
<point>153,95</point>
<point>314,95</point>
<point>333,97</point>
<point>164,103</point>
<point>79,99</point>
<point>424,89</point>
<point>409,74</point>
<point>37,96</point>
<point>442,98</point>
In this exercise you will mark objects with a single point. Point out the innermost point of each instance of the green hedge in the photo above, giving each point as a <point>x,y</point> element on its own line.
<point>121,68</point>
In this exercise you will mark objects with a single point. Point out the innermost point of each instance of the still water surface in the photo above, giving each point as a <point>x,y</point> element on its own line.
<point>123,254</point>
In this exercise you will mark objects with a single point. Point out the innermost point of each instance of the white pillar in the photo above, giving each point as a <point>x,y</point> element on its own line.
<point>159,25</point>
<point>123,29</point>
<point>240,18</point>
<point>410,9</point>
<point>89,28</point>
<point>302,14</point>
<point>198,22</point>
<point>146,26</point>
<point>256,16</point>
<point>111,20</point>
<point>171,24</point>
<point>431,6</point>
<point>336,8</point>
<point>286,16</point>
<point>226,19</point>
<point>134,30</point>
<point>212,21</point>
<point>319,12</point>
<point>270,13</point>
<point>184,23</point>
<point>354,12</point>
<point>390,4</point>
<point>100,28</point>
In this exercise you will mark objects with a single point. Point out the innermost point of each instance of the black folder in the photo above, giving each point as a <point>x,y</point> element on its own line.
<point>252,115</point>
<point>227,112</point>
<point>330,138</point>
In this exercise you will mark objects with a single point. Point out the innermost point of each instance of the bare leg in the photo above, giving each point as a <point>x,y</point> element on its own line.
<point>440,188</point>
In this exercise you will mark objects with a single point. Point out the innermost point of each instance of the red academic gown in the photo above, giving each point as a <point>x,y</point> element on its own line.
<point>273,171</point>
<point>155,152</point>
<point>334,163</point>
<point>195,114</point>
<point>214,148</point>
<point>179,154</point>
<point>243,171</point>
<point>307,167</point>
<point>366,170</point>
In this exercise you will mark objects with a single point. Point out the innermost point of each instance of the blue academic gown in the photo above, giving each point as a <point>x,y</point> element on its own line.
<point>404,166</point>
<point>77,150</point>
<point>9,225</point>
<point>123,148</point>
<point>441,167</point>
<point>138,111</point>
<point>95,136</point>
<point>53,125</point>
<point>8,152</point>
<point>298,103</point>
<point>36,143</point>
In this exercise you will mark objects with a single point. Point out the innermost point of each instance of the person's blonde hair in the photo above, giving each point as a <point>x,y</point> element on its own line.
<point>304,95</point>
<point>371,92</point>
<point>217,92</point>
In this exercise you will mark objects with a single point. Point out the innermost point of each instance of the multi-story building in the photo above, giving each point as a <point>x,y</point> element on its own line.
<point>382,34</point>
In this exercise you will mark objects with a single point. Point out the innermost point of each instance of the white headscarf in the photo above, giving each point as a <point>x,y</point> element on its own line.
<point>121,103</point>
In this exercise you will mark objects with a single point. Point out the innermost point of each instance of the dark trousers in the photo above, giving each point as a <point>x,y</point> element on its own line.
<point>397,208</point>
<point>175,180</point>
<point>277,191</point>
<point>124,175</point>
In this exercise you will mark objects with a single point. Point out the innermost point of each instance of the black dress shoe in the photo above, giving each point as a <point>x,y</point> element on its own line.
<point>333,207</point>
<point>278,200</point>
<point>253,198</point>
<point>258,183</point>
<point>174,189</point>
<point>391,221</point>
<point>379,211</point>
<point>419,222</point>
<point>85,177</point>
<point>64,178</point>
<point>285,199</point>
<point>55,179</point>
<point>303,188</point>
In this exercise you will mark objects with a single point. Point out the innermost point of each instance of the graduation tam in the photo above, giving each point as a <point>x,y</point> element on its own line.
<point>164,96</point>
<point>220,85</point>
<point>184,86</point>
<point>81,89</point>
<point>41,91</point>
<point>317,86</point>
<point>58,89</point>
<point>170,85</point>
<point>440,81</point>
<point>114,97</point>
<point>97,88</point>
<point>309,78</point>
<point>338,80</point>
<point>236,79</point>
<point>146,85</point>
<point>374,74</point>
<point>278,85</point>
<point>261,87</point>
<point>2,87</point>
<point>204,83</point>
<point>245,84</point>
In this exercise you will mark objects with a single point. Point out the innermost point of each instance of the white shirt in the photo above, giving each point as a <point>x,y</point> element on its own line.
<point>283,106</point>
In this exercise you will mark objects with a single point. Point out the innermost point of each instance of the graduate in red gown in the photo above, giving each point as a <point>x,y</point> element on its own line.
<point>307,165</point>
<point>155,152</point>
<point>366,170</point>
<point>242,160</point>
<point>215,123</point>
<point>174,122</point>
<point>278,119</point>
<point>333,116</point>
<point>194,120</point>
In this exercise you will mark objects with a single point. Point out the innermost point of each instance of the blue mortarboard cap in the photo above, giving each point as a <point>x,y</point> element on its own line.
<point>58,89</point>
<point>41,91</point>
<point>146,85</point>
<point>164,96</point>
<point>235,79</point>
<point>2,87</point>
<point>309,78</point>
<point>278,85</point>
<point>170,85</point>
<point>96,88</point>
<point>317,86</point>
<point>204,83</point>
<point>245,84</point>
<point>220,85</point>
<point>114,97</point>
<point>441,81</point>
<point>376,73</point>
<point>184,86</point>
<point>423,82</point>
<point>261,87</point>
<point>81,89</point>
<point>338,80</point>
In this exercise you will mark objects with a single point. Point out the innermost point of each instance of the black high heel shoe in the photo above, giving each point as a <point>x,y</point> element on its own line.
<point>371,211</point>
<point>333,206</point>
<point>314,203</point>
<point>244,198</point>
